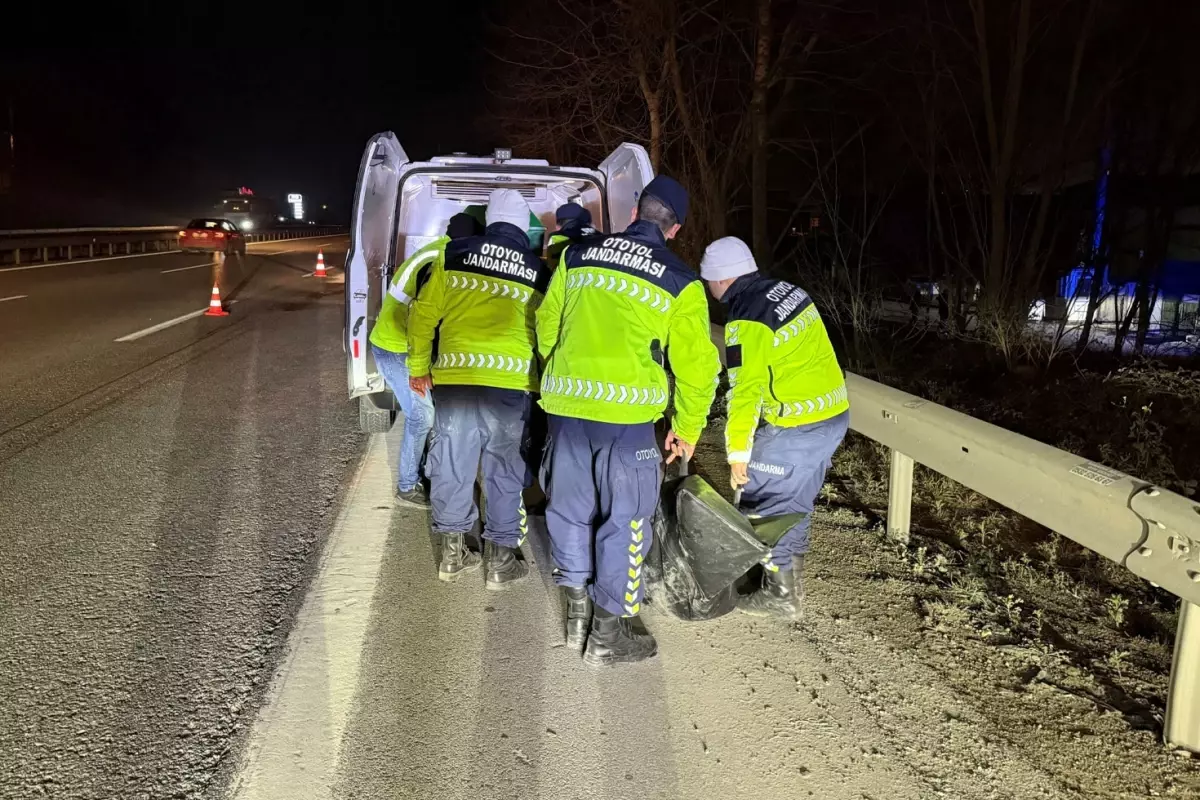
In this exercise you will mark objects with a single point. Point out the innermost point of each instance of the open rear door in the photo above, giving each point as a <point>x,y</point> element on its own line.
<point>626,171</point>
<point>372,245</point>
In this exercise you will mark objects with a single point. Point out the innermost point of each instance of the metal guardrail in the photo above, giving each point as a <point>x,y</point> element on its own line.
<point>51,245</point>
<point>1153,532</point>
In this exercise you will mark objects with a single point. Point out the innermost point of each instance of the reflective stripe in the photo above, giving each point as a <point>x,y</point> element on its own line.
<point>523,524</point>
<point>633,587</point>
<point>815,404</point>
<point>397,291</point>
<point>493,287</point>
<point>603,390</point>
<point>484,361</point>
<point>630,287</point>
<point>401,280</point>
<point>797,326</point>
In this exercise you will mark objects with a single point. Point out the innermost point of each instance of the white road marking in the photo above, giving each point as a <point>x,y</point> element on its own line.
<point>193,266</point>
<point>74,261</point>
<point>163,325</point>
<point>296,740</point>
<point>14,297</point>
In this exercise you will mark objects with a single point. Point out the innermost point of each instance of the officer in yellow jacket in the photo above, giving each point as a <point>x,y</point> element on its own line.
<point>480,303</point>
<point>620,308</point>
<point>787,410</point>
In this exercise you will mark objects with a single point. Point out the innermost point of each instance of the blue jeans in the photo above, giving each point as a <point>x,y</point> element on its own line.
<point>418,415</point>
<point>787,471</point>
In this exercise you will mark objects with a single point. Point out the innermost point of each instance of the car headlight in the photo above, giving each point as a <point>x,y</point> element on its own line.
<point>247,225</point>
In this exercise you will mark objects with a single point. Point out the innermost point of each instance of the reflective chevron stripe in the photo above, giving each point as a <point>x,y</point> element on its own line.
<point>603,390</point>
<point>484,361</point>
<point>631,288</point>
<point>805,318</point>
<point>815,404</point>
<point>492,287</point>
<point>633,586</point>
<point>767,565</point>
<point>523,524</point>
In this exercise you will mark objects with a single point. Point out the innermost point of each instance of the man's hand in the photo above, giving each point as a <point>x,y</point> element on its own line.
<point>737,474</point>
<point>678,448</point>
<point>422,385</point>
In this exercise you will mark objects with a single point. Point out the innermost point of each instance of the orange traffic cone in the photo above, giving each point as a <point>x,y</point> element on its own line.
<point>320,272</point>
<point>215,309</point>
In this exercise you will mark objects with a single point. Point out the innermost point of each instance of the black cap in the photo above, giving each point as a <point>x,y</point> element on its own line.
<point>668,192</point>
<point>573,212</point>
<point>462,226</point>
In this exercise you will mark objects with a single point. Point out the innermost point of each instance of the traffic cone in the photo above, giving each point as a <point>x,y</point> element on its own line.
<point>320,272</point>
<point>215,309</point>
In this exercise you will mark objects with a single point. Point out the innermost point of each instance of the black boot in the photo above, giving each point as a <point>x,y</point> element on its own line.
<point>456,558</point>
<point>579,616</point>
<point>503,566</point>
<point>612,640</point>
<point>781,595</point>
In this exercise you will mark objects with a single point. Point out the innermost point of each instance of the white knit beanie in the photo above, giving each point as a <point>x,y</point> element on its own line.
<point>728,257</point>
<point>507,205</point>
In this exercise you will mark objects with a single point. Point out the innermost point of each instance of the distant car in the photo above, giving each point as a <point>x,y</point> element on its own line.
<point>212,236</point>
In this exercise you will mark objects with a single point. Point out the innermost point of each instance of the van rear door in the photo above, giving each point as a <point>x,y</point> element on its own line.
<point>372,242</point>
<point>626,171</point>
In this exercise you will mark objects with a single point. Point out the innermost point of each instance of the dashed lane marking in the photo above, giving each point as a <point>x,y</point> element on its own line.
<point>164,325</point>
<point>193,266</point>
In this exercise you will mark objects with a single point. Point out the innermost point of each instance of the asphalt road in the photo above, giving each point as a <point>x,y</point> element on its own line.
<point>161,503</point>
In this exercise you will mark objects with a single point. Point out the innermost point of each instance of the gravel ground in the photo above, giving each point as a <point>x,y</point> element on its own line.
<point>962,710</point>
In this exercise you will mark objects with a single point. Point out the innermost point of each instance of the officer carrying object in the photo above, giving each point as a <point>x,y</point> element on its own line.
<point>702,547</point>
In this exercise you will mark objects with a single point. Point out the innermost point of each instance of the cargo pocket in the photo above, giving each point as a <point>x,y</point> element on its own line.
<point>638,482</point>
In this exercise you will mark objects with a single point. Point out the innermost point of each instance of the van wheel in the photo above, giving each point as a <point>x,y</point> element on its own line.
<point>372,418</point>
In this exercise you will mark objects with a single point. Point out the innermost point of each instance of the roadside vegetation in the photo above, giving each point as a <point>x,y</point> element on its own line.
<point>989,149</point>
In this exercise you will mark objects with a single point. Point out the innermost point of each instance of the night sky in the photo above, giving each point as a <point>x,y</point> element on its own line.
<point>144,117</point>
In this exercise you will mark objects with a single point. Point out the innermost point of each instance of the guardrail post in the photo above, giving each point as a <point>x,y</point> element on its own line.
<point>67,252</point>
<point>1182,728</point>
<point>900,481</point>
<point>45,254</point>
<point>91,249</point>
<point>17,256</point>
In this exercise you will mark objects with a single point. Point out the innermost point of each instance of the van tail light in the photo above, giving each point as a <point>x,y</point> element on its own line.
<point>219,235</point>
<point>183,233</point>
<point>356,348</point>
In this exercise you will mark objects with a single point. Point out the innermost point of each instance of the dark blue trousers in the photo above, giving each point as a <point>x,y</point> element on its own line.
<point>602,483</point>
<point>479,428</point>
<point>786,471</point>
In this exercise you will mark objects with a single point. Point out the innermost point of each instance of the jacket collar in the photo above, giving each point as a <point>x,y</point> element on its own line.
<point>510,233</point>
<point>646,232</point>
<point>739,285</point>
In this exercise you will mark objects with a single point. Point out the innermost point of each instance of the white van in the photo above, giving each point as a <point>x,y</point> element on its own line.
<point>401,205</point>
